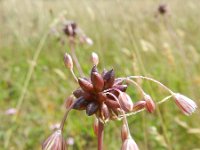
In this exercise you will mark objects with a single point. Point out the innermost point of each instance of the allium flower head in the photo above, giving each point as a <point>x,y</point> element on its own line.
<point>185,104</point>
<point>55,141</point>
<point>102,94</point>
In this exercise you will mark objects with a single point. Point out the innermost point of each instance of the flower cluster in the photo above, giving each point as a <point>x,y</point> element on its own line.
<point>100,93</point>
<point>104,95</point>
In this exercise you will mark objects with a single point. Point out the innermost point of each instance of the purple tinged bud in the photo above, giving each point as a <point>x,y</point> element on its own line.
<point>80,104</point>
<point>85,85</point>
<point>109,78</point>
<point>92,108</point>
<point>97,81</point>
<point>78,93</point>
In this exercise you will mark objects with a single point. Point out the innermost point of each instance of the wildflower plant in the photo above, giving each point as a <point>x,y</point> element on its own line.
<point>104,96</point>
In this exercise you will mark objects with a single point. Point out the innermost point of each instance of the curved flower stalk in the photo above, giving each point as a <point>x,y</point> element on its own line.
<point>104,96</point>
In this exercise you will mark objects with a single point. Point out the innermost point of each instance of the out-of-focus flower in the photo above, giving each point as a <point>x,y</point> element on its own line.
<point>185,104</point>
<point>68,61</point>
<point>11,111</point>
<point>162,9</point>
<point>70,28</point>
<point>89,41</point>
<point>70,141</point>
<point>55,141</point>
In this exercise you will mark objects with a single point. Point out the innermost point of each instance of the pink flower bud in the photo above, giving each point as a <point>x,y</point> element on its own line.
<point>68,61</point>
<point>125,102</point>
<point>55,141</point>
<point>129,144</point>
<point>139,106</point>
<point>95,58</point>
<point>185,104</point>
<point>150,105</point>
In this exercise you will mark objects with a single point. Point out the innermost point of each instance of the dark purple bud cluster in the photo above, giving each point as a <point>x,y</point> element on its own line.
<point>100,94</point>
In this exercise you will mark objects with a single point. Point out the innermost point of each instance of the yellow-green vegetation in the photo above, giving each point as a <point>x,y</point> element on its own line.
<point>129,36</point>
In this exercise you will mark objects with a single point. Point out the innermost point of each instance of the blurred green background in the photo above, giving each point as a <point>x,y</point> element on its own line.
<point>130,36</point>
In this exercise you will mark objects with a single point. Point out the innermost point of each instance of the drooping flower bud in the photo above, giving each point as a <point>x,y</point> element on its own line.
<point>68,61</point>
<point>139,106</point>
<point>185,104</point>
<point>95,58</point>
<point>92,107</point>
<point>55,141</point>
<point>109,78</point>
<point>69,101</point>
<point>150,105</point>
<point>85,85</point>
<point>125,102</point>
<point>129,144</point>
<point>97,81</point>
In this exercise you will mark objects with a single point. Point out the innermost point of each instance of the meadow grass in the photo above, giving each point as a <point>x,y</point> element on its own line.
<point>127,36</point>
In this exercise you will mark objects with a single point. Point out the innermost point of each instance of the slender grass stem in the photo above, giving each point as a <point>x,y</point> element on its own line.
<point>74,76</point>
<point>136,84</point>
<point>158,103</point>
<point>153,80</point>
<point>62,124</point>
<point>25,86</point>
